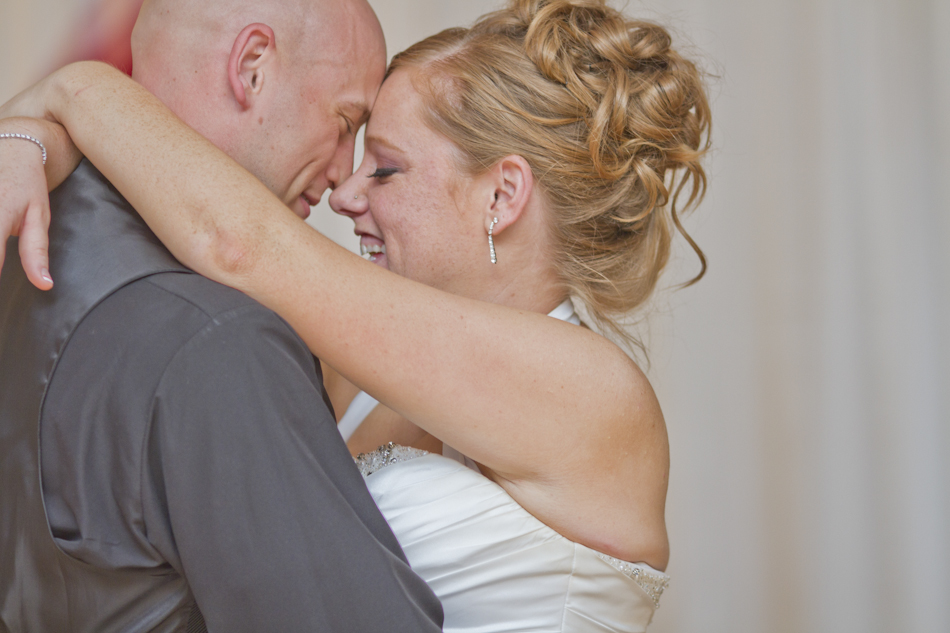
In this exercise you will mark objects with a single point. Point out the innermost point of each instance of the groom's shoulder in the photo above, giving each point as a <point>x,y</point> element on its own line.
<point>177,326</point>
<point>173,307</point>
<point>202,294</point>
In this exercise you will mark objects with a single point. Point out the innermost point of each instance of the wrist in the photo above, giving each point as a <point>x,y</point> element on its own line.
<point>24,126</point>
<point>62,154</point>
<point>29,138</point>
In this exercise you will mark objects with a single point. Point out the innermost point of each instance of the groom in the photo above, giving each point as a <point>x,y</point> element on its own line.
<point>168,461</point>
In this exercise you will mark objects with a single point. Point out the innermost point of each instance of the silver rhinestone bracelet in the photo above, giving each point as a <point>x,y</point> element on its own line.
<point>27,137</point>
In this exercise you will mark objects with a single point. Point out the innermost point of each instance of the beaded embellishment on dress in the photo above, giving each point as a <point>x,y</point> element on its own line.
<point>652,583</point>
<point>385,455</point>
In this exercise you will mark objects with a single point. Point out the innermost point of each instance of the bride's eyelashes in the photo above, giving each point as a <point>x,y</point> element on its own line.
<point>382,172</point>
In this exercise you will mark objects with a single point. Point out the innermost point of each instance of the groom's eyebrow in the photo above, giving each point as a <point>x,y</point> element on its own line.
<point>360,108</point>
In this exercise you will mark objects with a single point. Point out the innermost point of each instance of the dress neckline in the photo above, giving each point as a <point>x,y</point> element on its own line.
<point>652,581</point>
<point>565,312</point>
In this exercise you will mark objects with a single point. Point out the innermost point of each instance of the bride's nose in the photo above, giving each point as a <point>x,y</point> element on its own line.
<point>348,199</point>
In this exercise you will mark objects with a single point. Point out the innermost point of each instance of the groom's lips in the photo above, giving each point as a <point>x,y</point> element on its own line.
<point>302,206</point>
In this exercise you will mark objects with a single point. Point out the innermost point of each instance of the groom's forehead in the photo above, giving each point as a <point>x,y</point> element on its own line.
<point>349,59</point>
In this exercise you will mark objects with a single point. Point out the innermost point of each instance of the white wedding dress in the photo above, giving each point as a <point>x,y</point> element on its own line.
<point>494,566</point>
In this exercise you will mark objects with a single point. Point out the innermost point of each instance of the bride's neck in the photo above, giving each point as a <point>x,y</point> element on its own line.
<point>525,276</point>
<point>528,286</point>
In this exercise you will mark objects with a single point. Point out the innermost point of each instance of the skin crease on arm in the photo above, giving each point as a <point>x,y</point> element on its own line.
<point>557,415</point>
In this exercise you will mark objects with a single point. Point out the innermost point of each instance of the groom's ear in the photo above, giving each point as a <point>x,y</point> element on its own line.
<point>253,48</point>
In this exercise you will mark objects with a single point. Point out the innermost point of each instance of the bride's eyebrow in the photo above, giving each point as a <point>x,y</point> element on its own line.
<point>376,140</point>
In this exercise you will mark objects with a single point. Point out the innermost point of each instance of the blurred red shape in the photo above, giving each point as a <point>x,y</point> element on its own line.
<point>105,34</point>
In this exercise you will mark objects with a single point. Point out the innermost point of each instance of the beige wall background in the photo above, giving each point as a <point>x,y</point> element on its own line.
<point>805,380</point>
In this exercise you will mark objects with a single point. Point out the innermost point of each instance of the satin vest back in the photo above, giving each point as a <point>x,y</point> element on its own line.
<point>97,245</point>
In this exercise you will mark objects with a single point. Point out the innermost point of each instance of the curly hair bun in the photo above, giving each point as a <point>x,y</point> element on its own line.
<point>612,119</point>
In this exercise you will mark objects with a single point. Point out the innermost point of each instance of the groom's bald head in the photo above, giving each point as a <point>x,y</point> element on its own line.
<point>185,33</point>
<point>277,84</point>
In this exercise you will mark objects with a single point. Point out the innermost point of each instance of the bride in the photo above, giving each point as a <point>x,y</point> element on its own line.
<point>513,171</point>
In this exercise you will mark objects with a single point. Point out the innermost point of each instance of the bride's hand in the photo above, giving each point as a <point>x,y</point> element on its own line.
<point>25,183</point>
<point>24,203</point>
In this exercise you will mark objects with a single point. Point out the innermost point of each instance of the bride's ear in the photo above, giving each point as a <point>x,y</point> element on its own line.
<point>252,50</point>
<point>513,188</point>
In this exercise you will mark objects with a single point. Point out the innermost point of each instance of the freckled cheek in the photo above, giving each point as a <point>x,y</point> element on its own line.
<point>404,234</point>
<point>401,232</point>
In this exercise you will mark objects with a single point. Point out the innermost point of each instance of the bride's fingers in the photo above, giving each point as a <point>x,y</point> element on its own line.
<point>34,245</point>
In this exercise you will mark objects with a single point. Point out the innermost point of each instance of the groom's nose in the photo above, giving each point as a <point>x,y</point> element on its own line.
<point>341,166</point>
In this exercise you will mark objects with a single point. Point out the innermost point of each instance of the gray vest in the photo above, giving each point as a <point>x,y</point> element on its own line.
<point>98,244</point>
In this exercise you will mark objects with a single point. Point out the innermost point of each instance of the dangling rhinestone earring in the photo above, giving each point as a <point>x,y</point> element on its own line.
<point>491,242</point>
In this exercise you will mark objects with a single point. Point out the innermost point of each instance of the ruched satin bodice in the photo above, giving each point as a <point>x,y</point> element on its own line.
<point>494,566</point>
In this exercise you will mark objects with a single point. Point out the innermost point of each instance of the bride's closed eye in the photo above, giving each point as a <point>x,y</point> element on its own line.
<point>383,172</point>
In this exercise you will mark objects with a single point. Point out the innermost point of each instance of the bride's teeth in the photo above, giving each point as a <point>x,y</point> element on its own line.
<point>372,250</point>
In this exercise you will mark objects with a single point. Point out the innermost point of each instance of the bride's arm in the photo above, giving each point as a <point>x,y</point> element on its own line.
<point>562,418</point>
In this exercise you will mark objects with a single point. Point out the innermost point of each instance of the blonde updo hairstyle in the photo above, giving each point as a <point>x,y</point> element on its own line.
<point>612,120</point>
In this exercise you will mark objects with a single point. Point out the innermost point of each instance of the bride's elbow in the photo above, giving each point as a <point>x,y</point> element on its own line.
<point>221,252</point>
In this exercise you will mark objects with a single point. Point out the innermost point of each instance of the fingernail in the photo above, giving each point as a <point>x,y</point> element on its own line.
<point>45,275</point>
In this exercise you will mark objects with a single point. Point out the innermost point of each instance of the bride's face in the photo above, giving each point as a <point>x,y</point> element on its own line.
<point>416,213</point>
